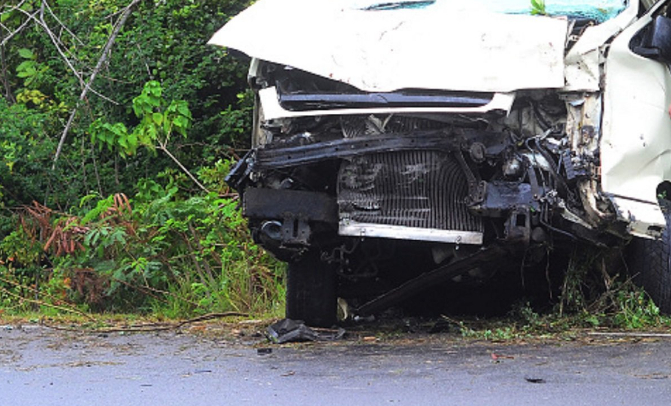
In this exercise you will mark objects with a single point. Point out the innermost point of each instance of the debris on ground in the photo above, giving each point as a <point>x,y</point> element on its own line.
<point>496,357</point>
<point>287,330</point>
<point>264,351</point>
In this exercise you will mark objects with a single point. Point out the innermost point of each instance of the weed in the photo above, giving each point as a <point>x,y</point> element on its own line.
<point>156,252</point>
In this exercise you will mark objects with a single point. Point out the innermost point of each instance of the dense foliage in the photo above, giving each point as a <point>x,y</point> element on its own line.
<point>132,212</point>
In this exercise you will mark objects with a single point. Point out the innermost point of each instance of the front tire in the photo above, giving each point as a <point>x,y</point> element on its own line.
<point>651,264</point>
<point>311,291</point>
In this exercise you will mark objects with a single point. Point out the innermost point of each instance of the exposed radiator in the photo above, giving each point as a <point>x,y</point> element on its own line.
<point>394,194</point>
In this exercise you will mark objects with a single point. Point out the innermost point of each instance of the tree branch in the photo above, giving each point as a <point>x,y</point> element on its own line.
<point>21,27</point>
<point>63,25</point>
<point>59,46</point>
<point>3,75</point>
<point>148,327</point>
<point>182,167</point>
<point>99,65</point>
<point>57,43</point>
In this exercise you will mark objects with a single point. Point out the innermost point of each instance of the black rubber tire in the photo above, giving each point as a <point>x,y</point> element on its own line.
<point>311,291</point>
<point>650,264</point>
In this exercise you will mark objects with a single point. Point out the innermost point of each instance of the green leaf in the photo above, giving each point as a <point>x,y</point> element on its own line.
<point>87,198</point>
<point>137,108</point>
<point>181,124</point>
<point>158,118</point>
<point>132,139</point>
<point>120,130</point>
<point>183,109</point>
<point>23,66</point>
<point>152,133</point>
<point>6,16</point>
<point>154,101</point>
<point>538,7</point>
<point>26,53</point>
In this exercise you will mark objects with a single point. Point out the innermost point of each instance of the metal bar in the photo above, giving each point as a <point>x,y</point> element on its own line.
<point>270,158</point>
<point>430,279</point>
<point>355,229</point>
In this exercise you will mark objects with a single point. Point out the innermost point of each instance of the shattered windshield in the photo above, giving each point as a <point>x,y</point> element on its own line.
<point>596,10</point>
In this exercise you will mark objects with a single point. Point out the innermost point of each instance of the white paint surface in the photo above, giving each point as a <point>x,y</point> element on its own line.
<point>273,110</point>
<point>437,47</point>
<point>636,138</point>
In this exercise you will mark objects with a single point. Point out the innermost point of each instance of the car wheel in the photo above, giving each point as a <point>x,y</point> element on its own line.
<point>650,263</point>
<point>311,291</point>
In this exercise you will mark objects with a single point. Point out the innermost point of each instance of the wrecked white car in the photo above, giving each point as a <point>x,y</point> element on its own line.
<point>399,145</point>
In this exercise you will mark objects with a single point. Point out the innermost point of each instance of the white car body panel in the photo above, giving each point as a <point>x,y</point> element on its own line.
<point>636,136</point>
<point>383,51</point>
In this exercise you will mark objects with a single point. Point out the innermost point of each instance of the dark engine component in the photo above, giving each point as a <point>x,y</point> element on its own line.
<point>279,203</point>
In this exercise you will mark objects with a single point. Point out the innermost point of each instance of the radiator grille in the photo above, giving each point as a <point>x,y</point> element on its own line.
<point>420,189</point>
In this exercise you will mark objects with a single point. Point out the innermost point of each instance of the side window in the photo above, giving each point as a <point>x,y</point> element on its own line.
<point>654,41</point>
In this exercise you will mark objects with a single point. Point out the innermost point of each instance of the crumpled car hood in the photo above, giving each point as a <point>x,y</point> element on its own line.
<point>440,47</point>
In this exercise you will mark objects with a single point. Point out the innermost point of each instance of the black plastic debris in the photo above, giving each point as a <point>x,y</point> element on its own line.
<point>445,326</point>
<point>287,330</point>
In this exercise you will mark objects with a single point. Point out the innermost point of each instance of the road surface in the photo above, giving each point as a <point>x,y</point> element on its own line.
<point>43,367</point>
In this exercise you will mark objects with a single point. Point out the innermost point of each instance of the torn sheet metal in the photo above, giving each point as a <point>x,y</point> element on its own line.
<point>584,74</point>
<point>644,218</point>
<point>273,110</point>
<point>437,47</point>
<point>597,35</point>
<point>583,70</point>
<point>636,141</point>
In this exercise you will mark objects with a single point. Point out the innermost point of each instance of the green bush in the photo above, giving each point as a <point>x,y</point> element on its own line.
<point>162,119</point>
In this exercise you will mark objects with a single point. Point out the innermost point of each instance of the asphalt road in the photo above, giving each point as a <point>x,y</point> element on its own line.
<point>43,367</point>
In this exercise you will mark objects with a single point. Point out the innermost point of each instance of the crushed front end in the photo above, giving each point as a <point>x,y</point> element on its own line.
<point>400,165</point>
<point>415,172</point>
